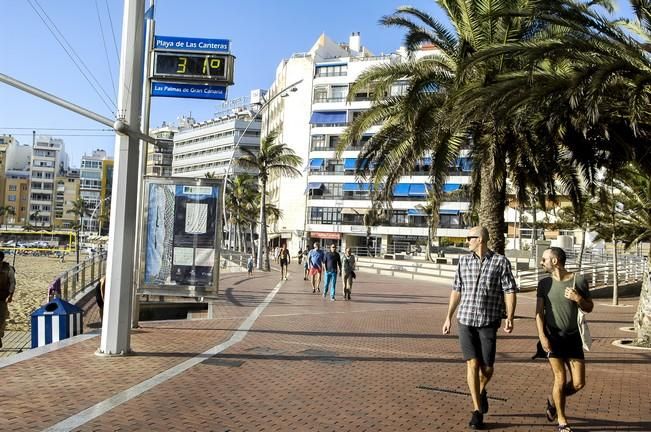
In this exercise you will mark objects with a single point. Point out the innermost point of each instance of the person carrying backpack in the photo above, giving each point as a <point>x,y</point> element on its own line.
<point>7,287</point>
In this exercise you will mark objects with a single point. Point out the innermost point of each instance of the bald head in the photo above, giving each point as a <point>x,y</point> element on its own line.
<point>480,232</point>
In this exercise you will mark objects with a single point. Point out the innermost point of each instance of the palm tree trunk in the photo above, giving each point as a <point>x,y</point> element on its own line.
<point>428,254</point>
<point>251,231</point>
<point>368,241</point>
<point>642,319</point>
<point>491,206</point>
<point>615,276</point>
<point>582,250</point>
<point>263,255</point>
<point>240,235</point>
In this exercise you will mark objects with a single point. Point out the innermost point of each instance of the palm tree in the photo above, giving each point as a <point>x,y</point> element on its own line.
<point>240,192</point>
<point>34,217</point>
<point>272,159</point>
<point>79,209</point>
<point>425,120</point>
<point>374,217</point>
<point>6,211</point>
<point>431,211</point>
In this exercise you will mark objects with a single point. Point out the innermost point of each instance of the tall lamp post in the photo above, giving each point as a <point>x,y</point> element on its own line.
<point>266,102</point>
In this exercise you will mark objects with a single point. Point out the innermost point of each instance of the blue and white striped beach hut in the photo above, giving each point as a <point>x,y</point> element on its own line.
<point>55,321</point>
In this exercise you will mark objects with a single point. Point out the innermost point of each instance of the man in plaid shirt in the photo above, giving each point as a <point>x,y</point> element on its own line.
<point>485,292</point>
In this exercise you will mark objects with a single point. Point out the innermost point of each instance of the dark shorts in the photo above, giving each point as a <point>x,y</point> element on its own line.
<point>479,342</point>
<point>283,263</point>
<point>565,346</point>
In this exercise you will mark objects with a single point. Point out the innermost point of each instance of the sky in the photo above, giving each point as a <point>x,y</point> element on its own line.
<point>262,33</point>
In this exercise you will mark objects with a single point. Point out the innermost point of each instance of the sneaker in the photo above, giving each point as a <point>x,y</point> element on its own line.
<point>483,402</point>
<point>313,290</point>
<point>477,420</point>
<point>564,428</point>
<point>333,299</point>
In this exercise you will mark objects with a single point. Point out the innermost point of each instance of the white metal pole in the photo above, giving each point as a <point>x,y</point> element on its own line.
<point>142,170</point>
<point>115,339</point>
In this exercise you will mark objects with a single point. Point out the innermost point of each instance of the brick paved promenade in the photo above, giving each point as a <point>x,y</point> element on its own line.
<point>376,363</point>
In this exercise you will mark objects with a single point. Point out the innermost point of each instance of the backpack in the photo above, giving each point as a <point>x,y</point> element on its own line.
<point>4,280</point>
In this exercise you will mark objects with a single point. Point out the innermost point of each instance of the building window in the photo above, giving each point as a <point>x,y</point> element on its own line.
<point>399,217</point>
<point>12,188</point>
<point>330,71</point>
<point>318,142</point>
<point>325,215</point>
<point>11,197</point>
<point>320,94</point>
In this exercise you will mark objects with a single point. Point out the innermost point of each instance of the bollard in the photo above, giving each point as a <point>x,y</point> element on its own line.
<point>83,274</point>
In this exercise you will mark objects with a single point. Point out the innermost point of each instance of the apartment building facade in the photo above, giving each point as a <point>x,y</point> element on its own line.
<point>14,179</point>
<point>67,192</point>
<point>90,187</point>
<point>331,198</point>
<point>209,147</point>
<point>48,160</point>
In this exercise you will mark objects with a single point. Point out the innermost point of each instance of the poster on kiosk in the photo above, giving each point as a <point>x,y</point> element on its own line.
<point>181,238</point>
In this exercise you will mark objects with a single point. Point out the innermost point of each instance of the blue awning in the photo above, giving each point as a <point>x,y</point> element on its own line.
<point>350,164</point>
<point>312,186</point>
<point>401,190</point>
<point>328,117</point>
<point>355,187</point>
<point>426,161</point>
<point>448,212</point>
<point>419,190</point>
<point>416,212</point>
<point>451,187</point>
<point>320,65</point>
<point>316,163</point>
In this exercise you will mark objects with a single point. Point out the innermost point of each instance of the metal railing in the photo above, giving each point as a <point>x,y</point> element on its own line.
<point>232,261</point>
<point>598,272</point>
<point>74,280</point>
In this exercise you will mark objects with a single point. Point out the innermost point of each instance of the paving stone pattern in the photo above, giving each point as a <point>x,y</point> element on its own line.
<point>376,363</point>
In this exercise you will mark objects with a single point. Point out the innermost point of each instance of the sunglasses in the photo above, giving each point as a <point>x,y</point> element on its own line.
<point>471,237</point>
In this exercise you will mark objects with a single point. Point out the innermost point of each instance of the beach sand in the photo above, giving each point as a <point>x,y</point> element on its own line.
<point>33,276</point>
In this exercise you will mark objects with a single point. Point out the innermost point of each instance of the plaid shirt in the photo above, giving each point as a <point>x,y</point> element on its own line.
<point>482,284</point>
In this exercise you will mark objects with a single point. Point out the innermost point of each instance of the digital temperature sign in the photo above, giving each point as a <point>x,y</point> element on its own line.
<point>217,68</point>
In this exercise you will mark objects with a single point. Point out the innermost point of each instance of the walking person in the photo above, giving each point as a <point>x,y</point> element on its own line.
<point>349,267</point>
<point>276,254</point>
<point>7,288</point>
<point>332,267</point>
<point>483,288</point>
<point>315,260</point>
<point>559,298</point>
<point>249,265</point>
<point>299,255</point>
<point>285,259</point>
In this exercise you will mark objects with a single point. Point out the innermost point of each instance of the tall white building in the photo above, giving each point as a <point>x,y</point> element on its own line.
<point>327,203</point>
<point>48,160</point>
<point>90,187</point>
<point>208,146</point>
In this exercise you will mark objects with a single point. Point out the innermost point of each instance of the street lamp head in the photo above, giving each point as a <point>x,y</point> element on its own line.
<point>286,92</point>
